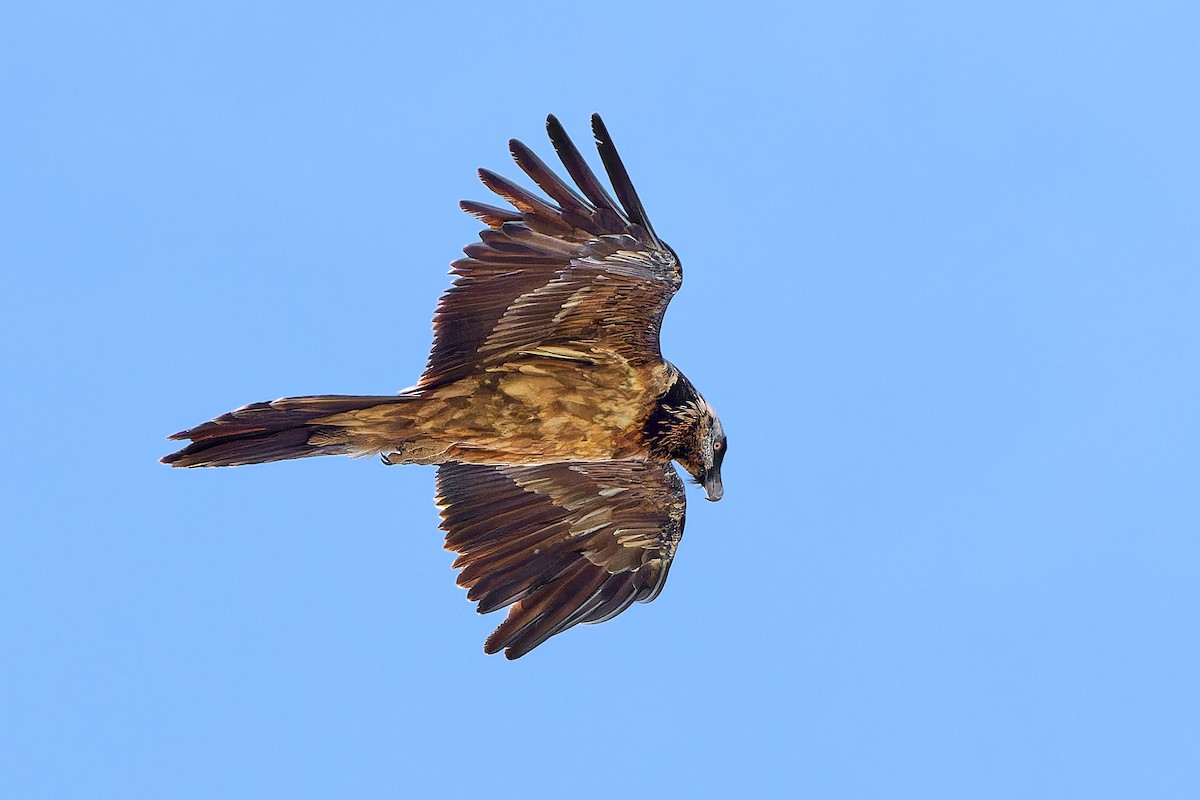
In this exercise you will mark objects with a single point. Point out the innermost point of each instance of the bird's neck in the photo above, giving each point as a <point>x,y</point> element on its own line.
<point>670,428</point>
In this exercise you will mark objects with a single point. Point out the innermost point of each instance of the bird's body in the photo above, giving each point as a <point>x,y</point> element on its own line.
<point>546,402</point>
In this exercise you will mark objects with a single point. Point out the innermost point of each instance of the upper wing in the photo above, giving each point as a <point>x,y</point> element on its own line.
<point>567,543</point>
<point>581,277</point>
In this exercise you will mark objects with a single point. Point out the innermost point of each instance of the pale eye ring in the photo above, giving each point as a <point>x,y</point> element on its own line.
<point>717,447</point>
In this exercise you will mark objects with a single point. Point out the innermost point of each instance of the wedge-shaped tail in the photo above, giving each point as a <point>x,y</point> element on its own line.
<point>294,427</point>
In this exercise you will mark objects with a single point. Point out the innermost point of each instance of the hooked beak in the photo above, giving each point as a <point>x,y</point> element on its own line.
<point>712,486</point>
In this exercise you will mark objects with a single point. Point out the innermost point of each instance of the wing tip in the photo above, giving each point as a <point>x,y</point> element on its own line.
<point>599,129</point>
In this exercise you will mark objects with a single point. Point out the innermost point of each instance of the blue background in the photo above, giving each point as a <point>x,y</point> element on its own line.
<point>941,284</point>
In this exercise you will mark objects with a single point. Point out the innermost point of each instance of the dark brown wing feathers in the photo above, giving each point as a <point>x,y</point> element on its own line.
<point>537,617</point>
<point>492,216</point>
<point>575,272</point>
<point>561,543</point>
<point>620,177</point>
<point>578,168</point>
<point>524,201</point>
<point>567,198</point>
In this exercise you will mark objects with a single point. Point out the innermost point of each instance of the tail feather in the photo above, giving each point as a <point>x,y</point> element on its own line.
<point>293,427</point>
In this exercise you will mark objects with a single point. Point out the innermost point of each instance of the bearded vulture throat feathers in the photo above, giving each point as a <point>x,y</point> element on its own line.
<point>546,404</point>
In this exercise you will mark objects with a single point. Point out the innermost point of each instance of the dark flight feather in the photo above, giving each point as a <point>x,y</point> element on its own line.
<point>566,197</point>
<point>578,168</point>
<point>491,215</point>
<point>524,201</point>
<point>620,177</point>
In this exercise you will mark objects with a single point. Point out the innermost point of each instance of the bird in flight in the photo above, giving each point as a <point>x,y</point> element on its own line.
<point>546,405</point>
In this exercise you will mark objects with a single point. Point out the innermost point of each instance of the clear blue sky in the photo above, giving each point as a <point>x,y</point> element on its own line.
<point>942,283</point>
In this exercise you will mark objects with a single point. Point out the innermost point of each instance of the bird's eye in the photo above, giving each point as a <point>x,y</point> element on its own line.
<point>718,445</point>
